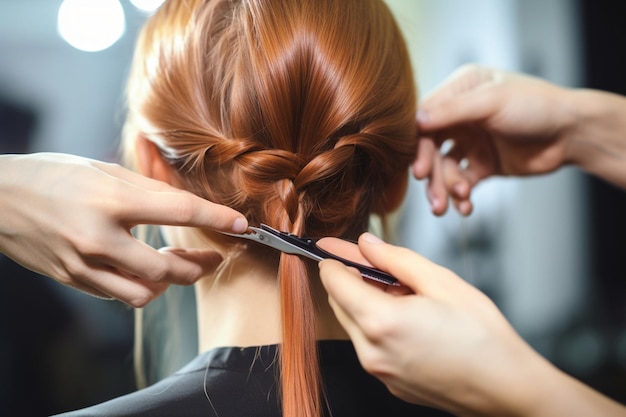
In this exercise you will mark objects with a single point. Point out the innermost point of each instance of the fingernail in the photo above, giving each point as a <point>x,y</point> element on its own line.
<point>240,225</point>
<point>422,116</point>
<point>370,238</point>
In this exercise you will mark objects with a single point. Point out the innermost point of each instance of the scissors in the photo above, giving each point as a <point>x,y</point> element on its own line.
<point>304,246</point>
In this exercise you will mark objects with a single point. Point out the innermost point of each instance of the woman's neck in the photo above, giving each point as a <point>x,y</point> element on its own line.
<point>239,304</point>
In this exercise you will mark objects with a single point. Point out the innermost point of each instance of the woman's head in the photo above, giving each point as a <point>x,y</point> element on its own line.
<point>299,114</point>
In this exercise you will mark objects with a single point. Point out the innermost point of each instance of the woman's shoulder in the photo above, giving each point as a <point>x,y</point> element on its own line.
<point>236,381</point>
<point>215,383</point>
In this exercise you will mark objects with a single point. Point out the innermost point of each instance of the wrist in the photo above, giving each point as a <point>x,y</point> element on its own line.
<point>512,385</point>
<point>596,142</point>
<point>7,198</point>
<point>520,390</point>
<point>588,110</point>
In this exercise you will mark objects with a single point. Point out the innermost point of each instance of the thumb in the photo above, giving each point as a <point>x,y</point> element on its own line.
<point>411,269</point>
<point>467,108</point>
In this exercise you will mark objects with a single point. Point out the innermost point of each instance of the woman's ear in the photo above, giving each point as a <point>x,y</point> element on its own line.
<point>393,195</point>
<point>151,163</point>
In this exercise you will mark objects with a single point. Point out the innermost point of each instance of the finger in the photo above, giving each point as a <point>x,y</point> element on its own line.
<point>435,189</point>
<point>350,251</point>
<point>343,249</point>
<point>423,164</point>
<point>348,291</point>
<point>411,269</point>
<point>149,201</point>
<point>428,165</point>
<point>182,267</point>
<point>331,274</point>
<point>356,333</point>
<point>181,209</point>
<point>457,185</point>
<point>130,290</point>
<point>208,260</point>
<point>463,206</point>
<point>470,107</point>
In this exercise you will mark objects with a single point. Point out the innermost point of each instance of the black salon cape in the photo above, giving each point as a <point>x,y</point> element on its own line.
<point>241,382</point>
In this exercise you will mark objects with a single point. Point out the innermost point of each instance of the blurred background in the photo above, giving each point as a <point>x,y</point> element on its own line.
<point>548,250</point>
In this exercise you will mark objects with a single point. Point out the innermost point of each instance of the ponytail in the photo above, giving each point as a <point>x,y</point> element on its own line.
<point>300,375</point>
<point>300,380</point>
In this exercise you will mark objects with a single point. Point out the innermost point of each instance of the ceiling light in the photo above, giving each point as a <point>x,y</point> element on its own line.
<point>91,25</point>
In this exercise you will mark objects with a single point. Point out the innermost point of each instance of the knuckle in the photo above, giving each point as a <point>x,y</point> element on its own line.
<point>89,246</point>
<point>146,294</point>
<point>159,272</point>
<point>73,270</point>
<point>141,299</point>
<point>376,327</point>
<point>114,204</point>
<point>182,211</point>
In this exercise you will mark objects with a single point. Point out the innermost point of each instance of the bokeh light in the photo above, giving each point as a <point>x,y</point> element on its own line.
<point>91,25</point>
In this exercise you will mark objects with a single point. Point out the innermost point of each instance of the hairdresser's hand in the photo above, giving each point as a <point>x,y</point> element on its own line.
<point>70,218</point>
<point>501,124</point>
<point>447,345</point>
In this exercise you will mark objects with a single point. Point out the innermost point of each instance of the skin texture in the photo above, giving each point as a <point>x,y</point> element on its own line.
<point>446,344</point>
<point>69,218</point>
<point>503,123</point>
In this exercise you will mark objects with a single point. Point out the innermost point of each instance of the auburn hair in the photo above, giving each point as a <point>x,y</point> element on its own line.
<point>297,113</point>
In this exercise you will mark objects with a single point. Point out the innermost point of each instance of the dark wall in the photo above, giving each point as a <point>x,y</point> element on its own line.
<point>604,30</point>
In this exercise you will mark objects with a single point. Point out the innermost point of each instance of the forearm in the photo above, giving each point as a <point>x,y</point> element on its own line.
<point>538,389</point>
<point>565,396</point>
<point>597,141</point>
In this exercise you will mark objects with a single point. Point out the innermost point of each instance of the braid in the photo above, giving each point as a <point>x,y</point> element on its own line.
<point>345,173</point>
<point>291,200</point>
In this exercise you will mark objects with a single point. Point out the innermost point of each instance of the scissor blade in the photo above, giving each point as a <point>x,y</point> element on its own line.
<point>280,241</point>
<point>274,241</point>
